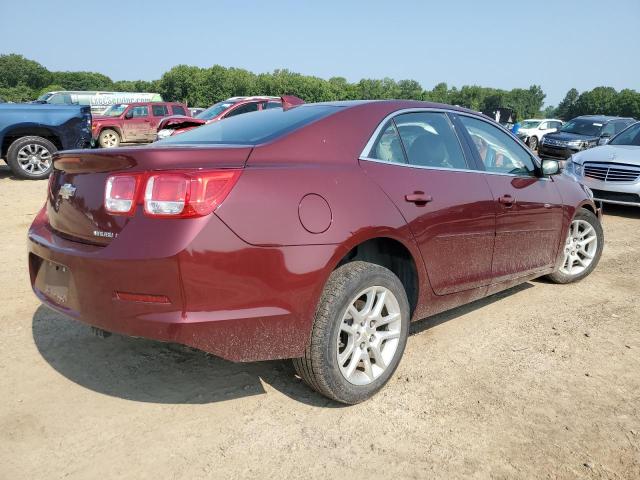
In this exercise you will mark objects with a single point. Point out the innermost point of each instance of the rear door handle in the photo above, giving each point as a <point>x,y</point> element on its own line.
<point>507,200</point>
<point>419,198</point>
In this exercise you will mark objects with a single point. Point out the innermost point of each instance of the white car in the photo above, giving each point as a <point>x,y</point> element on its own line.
<point>611,171</point>
<point>532,130</point>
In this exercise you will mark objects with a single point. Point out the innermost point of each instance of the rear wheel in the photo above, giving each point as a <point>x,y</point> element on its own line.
<point>31,157</point>
<point>582,248</point>
<point>533,143</point>
<point>359,333</point>
<point>109,138</point>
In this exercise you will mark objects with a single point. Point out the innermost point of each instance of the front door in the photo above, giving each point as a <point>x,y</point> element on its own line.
<point>528,206</point>
<point>428,173</point>
<point>136,124</point>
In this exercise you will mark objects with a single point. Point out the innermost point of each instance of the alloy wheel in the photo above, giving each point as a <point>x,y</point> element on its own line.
<point>34,158</point>
<point>369,335</point>
<point>109,139</point>
<point>580,248</point>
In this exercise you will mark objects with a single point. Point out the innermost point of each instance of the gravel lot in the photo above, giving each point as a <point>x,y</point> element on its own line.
<point>541,381</point>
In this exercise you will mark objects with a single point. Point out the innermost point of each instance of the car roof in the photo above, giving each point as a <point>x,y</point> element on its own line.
<point>393,105</point>
<point>603,118</point>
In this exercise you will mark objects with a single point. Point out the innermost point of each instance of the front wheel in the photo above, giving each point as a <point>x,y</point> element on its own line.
<point>359,333</point>
<point>582,248</point>
<point>109,138</point>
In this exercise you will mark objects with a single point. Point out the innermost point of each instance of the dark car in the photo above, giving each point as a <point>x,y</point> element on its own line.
<point>31,134</point>
<point>314,233</point>
<point>580,133</point>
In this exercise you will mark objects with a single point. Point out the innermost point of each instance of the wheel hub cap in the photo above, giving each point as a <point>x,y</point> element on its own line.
<point>580,248</point>
<point>369,335</point>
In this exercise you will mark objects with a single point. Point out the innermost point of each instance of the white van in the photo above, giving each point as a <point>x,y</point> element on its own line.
<point>98,101</point>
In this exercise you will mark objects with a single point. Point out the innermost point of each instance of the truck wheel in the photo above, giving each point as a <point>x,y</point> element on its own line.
<point>31,157</point>
<point>359,333</point>
<point>533,143</point>
<point>582,248</point>
<point>109,138</point>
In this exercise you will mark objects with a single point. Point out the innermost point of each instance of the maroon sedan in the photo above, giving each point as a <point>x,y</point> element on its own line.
<point>314,233</point>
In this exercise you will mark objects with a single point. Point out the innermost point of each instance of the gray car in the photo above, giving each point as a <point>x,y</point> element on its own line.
<point>612,171</point>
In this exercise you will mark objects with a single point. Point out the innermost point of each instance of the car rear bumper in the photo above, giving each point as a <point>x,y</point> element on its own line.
<point>237,301</point>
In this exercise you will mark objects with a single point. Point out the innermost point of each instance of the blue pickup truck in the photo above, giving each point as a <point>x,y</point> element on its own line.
<point>30,134</point>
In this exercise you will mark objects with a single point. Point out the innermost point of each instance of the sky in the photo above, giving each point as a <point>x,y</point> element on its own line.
<point>502,44</point>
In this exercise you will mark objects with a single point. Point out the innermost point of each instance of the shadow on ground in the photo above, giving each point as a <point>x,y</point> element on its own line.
<point>150,371</point>
<point>627,211</point>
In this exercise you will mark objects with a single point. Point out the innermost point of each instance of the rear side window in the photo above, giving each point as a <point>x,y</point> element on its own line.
<point>249,107</point>
<point>269,105</point>
<point>160,110</point>
<point>498,151</point>
<point>253,128</point>
<point>430,141</point>
<point>388,147</point>
<point>178,110</point>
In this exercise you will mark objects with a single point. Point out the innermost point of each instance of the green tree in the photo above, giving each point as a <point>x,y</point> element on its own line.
<point>566,108</point>
<point>16,70</point>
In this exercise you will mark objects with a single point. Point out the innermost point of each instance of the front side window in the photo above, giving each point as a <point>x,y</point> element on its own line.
<point>269,105</point>
<point>499,152</point>
<point>388,147</point>
<point>631,136</point>
<point>429,140</point>
<point>544,126</point>
<point>139,111</point>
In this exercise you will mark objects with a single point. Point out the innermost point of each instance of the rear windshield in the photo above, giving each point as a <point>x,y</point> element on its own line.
<point>214,110</point>
<point>252,128</point>
<point>582,126</point>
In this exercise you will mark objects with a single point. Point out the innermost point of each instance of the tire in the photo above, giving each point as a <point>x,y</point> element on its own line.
<point>586,240</point>
<point>109,138</point>
<point>351,285</point>
<point>533,143</point>
<point>31,157</point>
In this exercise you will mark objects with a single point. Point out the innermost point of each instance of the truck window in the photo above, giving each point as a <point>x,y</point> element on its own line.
<point>140,111</point>
<point>160,110</point>
<point>178,110</point>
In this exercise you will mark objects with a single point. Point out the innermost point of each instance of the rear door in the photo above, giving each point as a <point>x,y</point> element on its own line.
<point>429,174</point>
<point>158,112</point>
<point>528,207</point>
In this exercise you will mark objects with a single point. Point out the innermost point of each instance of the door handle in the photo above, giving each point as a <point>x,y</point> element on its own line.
<point>507,200</point>
<point>419,198</point>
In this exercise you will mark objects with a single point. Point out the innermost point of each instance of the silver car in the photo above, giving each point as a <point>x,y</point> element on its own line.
<point>612,171</point>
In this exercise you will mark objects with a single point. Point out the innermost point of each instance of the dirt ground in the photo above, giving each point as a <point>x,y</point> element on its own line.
<point>541,381</point>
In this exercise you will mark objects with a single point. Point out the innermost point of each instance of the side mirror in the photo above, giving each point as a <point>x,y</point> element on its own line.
<point>128,115</point>
<point>550,167</point>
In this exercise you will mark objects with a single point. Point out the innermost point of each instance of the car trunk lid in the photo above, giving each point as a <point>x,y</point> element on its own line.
<point>75,200</point>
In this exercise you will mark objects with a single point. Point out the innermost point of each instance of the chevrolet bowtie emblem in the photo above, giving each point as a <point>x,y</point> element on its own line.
<point>67,191</point>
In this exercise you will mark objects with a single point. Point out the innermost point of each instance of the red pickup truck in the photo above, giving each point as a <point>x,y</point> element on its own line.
<point>132,122</point>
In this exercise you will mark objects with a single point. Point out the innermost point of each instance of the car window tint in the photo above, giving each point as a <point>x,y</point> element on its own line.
<point>160,110</point>
<point>631,136</point>
<point>429,140</point>
<point>388,147</point>
<point>139,111</point>
<point>556,124</point>
<point>253,128</point>
<point>249,107</point>
<point>178,110</point>
<point>272,105</point>
<point>499,151</point>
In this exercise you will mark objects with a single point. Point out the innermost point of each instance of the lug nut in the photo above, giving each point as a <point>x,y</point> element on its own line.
<point>362,346</point>
<point>372,338</point>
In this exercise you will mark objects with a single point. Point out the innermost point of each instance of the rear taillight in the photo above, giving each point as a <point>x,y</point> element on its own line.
<point>172,194</point>
<point>121,193</point>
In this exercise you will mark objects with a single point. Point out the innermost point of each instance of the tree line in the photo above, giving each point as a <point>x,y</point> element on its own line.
<point>22,79</point>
